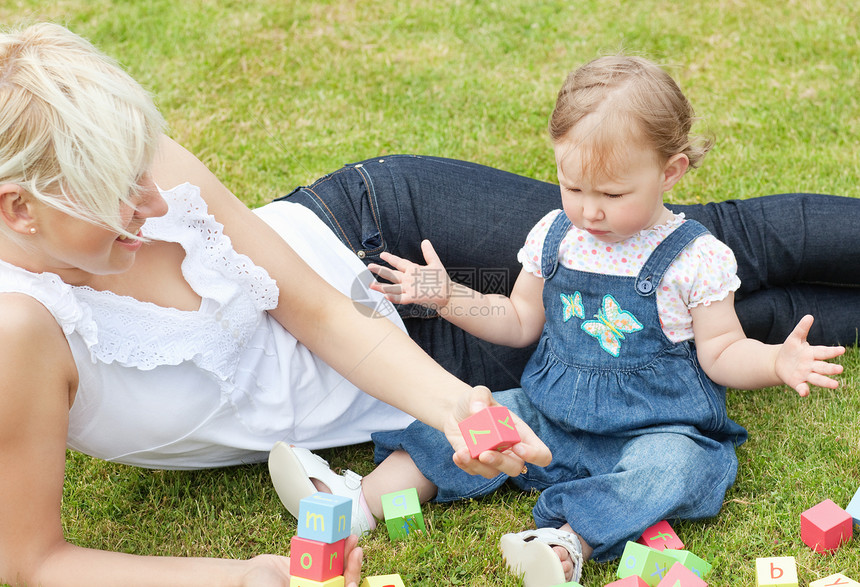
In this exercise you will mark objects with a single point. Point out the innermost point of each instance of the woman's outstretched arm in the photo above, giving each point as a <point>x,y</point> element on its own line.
<point>369,350</point>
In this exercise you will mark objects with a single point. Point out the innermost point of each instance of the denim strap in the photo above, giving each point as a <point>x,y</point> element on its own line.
<point>665,253</point>
<point>549,256</point>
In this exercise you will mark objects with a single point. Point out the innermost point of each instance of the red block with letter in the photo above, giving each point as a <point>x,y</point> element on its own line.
<point>490,429</point>
<point>824,527</point>
<point>681,576</point>
<point>383,581</point>
<point>315,560</point>
<point>661,536</point>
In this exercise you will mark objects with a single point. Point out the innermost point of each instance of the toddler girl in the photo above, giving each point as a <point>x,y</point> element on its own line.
<point>638,337</point>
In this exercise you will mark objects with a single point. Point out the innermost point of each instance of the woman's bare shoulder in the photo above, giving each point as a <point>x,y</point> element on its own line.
<point>32,339</point>
<point>21,314</point>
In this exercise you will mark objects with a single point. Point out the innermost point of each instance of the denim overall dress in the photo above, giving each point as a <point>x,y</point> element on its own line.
<point>638,431</point>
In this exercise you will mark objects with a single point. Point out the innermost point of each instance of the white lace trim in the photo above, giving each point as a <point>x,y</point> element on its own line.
<point>733,285</point>
<point>57,296</point>
<point>209,252</point>
<point>673,222</point>
<point>121,329</point>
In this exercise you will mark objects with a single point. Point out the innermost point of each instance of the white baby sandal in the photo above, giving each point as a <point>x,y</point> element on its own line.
<point>292,469</point>
<point>530,555</point>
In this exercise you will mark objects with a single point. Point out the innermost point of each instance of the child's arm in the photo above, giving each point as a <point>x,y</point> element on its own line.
<point>514,321</point>
<point>733,360</point>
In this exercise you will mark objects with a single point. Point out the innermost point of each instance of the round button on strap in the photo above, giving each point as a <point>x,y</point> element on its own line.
<point>645,286</point>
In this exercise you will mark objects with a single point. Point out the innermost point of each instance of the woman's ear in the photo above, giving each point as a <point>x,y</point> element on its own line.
<point>16,208</point>
<point>674,170</point>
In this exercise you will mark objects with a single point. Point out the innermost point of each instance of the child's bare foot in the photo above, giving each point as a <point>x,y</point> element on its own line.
<point>564,555</point>
<point>545,556</point>
<point>566,562</point>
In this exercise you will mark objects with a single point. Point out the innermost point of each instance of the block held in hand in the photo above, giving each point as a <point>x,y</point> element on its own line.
<point>490,429</point>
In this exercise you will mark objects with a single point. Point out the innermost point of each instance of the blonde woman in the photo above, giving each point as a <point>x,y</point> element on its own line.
<point>148,317</point>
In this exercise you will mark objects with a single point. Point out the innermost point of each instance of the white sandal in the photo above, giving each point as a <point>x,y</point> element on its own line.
<point>530,555</point>
<point>292,469</point>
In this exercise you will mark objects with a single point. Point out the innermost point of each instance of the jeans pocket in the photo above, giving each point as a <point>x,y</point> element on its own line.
<point>346,201</point>
<point>361,190</point>
<point>372,242</point>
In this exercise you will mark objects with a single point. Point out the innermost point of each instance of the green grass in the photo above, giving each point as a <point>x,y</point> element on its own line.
<point>273,93</point>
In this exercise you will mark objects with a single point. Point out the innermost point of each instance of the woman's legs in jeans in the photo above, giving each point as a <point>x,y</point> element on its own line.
<point>475,216</point>
<point>790,248</point>
<point>797,254</point>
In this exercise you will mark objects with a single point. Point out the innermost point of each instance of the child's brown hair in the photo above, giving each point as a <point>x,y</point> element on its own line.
<point>631,98</point>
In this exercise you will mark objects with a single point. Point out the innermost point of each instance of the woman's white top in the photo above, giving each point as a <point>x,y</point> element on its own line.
<point>165,388</point>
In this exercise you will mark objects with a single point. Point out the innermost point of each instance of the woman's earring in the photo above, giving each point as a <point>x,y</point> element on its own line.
<point>32,230</point>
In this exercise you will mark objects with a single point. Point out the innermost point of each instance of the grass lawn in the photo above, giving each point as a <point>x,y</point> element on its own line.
<point>273,93</point>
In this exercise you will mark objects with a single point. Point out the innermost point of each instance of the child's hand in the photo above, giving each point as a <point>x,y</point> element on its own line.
<point>798,363</point>
<point>427,285</point>
<point>490,463</point>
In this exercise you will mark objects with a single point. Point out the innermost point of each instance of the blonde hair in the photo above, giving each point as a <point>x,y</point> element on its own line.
<point>630,98</point>
<point>76,131</point>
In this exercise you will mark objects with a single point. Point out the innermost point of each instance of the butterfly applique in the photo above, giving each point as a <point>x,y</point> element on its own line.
<point>572,306</point>
<point>611,325</point>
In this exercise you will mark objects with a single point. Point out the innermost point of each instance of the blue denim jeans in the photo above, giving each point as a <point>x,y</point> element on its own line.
<point>609,488</point>
<point>797,253</point>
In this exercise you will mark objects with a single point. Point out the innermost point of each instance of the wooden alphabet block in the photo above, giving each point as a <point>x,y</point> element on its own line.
<point>325,517</point>
<point>824,527</point>
<point>315,560</point>
<point>700,567</point>
<point>854,507</point>
<point>661,536</point>
<point>648,563</point>
<point>302,582</point>
<point>779,571</point>
<point>834,580</point>
<point>402,512</point>
<point>631,581</point>
<point>383,581</point>
<point>681,576</point>
<point>490,429</point>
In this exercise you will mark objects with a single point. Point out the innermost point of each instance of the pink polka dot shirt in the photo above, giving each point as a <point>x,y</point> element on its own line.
<point>704,272</point>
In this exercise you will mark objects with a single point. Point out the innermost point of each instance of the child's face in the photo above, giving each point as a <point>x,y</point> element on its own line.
<point>626,199</point>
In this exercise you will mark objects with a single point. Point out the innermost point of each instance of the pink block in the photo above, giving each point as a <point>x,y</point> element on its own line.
<point>490,429</point>
<point>315,560</point>
<point>660,536</point>
<point>631,581</point>
<point>824,527</point>
<point>681,576</point>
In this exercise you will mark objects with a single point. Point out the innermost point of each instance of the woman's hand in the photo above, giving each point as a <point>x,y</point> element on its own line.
<point>490,463</point>
<point>274,571</point>
<point>411,283</point>
<point>799,364</point>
